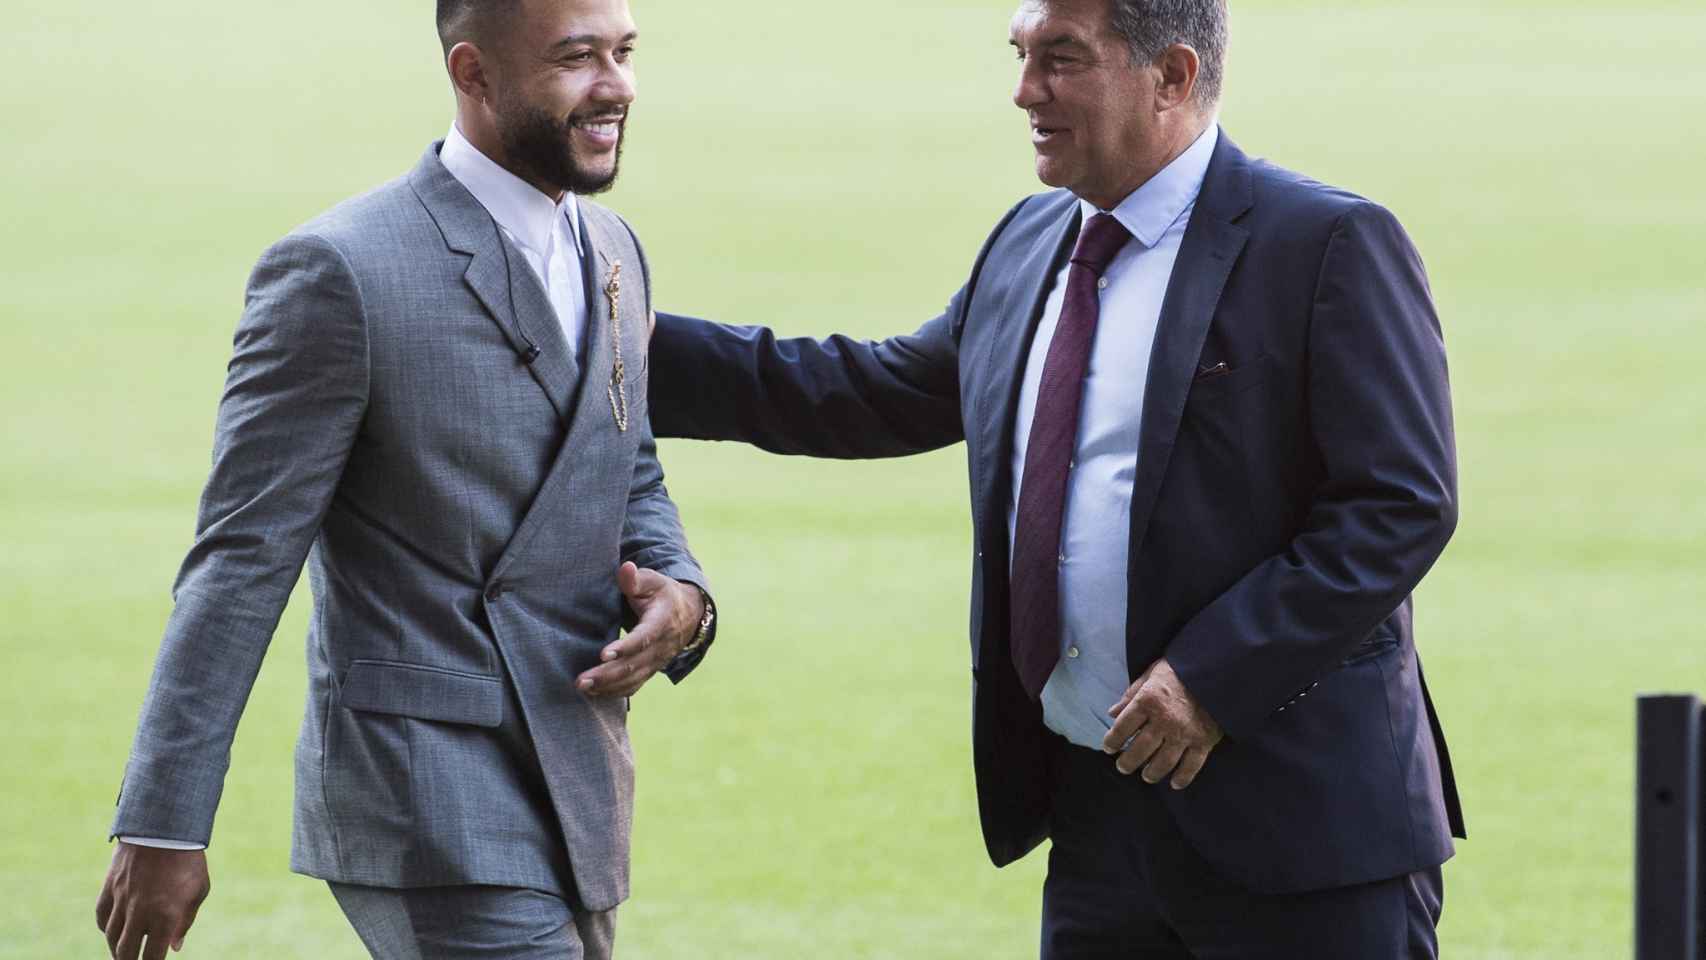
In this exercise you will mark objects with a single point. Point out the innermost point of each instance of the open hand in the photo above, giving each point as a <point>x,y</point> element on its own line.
<point>1160,727</point>
<point>669,617</point>
<point>150,893</point>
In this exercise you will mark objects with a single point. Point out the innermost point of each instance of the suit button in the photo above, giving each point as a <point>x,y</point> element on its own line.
<point>495,591</point>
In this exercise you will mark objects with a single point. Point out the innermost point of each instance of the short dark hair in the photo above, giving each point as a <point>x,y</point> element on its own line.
<point>460,20</point>
<point>1151,26</point>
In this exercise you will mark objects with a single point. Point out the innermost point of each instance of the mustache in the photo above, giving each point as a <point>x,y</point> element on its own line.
<point>600,115</point>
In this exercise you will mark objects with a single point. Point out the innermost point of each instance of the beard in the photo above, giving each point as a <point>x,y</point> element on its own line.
<point>543,149</point>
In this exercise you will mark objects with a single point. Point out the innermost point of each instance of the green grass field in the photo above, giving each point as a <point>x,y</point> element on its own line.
<point>829,167</point>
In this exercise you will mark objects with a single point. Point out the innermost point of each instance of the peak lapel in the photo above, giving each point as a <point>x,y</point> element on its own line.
<point>500,278</point>
<point>592,435</point>
<point>1212,244</point>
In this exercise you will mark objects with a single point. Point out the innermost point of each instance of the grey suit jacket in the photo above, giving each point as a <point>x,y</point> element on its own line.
<point>462,513</point>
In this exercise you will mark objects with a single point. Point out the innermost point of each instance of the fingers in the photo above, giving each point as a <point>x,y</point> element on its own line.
<point>628,663</point>
<point>1162,763</point>
<point>115,932</point>
<point>638,584</point>
<point>104,904</point>
<point>635,642</point>
<point>619,679</point>
<point>1130,719</point>
<point>628,579</point>
<point>1143,746</point>
<point>129,942</point>
<point>1189,766</point>
<point>1126,700</point>
<point>632,659</point>
<point>183,930</point>
<point>156,949</point>
<point>603,679</point>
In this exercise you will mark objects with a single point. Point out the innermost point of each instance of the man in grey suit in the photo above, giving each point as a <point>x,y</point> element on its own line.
<point>438,400</point>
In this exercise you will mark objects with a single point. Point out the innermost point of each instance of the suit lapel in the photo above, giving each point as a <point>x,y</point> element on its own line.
<point>1212,244</point>
<point>500,279</point>
<point>592,436</point>
<point>1021,311</point>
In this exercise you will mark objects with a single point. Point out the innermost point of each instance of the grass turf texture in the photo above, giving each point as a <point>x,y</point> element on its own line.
<point>829,167</point>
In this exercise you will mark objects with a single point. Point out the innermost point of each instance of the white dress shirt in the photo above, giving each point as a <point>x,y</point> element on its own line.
<point>1096,527</point>
<point>548,234</point>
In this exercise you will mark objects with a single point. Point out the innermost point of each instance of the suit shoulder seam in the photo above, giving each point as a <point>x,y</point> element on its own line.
<point>320,239</point>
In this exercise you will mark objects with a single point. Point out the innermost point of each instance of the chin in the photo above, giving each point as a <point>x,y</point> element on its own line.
<point>1050,173</point>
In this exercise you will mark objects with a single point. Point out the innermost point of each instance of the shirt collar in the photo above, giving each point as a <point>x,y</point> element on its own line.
<point>525,213</point>
<point>1154,207</point>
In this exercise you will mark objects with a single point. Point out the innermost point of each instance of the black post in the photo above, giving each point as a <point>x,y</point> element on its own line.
<point>1670,839</point>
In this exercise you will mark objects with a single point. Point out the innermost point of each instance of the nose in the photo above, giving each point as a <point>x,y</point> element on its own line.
<point>1031,90</point>
<point>617,83</point>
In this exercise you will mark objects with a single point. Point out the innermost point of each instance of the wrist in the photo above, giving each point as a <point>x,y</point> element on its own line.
<point>705,616</point>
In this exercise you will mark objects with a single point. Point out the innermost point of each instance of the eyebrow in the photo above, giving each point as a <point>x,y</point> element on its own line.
<point>1060,40</point>
<point>591,39</point>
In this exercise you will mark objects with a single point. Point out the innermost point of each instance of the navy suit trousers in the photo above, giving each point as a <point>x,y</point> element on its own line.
<point>1124,884</point>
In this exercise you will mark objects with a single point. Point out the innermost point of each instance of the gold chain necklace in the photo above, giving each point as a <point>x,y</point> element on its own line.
<point>618,388</point>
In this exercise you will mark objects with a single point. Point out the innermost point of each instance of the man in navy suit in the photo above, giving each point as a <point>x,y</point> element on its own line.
<point>1209,435</point>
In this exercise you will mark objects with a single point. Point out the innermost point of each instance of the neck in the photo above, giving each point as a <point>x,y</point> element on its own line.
<point>1169,147</point>
<point>479,128</point>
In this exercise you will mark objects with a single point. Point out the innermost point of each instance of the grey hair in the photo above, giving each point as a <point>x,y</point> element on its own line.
<point>1151,26</point>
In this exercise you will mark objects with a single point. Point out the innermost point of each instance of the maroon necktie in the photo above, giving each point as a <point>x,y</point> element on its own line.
<point>1048,459</point>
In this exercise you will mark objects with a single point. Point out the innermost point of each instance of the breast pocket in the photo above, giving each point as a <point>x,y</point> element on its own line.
<point>1218,457</point>
<point>1214,385</point>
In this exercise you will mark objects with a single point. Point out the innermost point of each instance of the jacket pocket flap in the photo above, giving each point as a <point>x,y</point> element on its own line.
<point>426,693</point>
<point>1249,374</point>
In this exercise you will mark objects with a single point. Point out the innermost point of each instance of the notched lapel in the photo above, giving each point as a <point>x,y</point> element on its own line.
<point>1020,312</point>
<point>1212,244</point>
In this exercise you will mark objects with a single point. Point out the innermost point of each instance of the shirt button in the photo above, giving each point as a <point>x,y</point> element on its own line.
<point>1072,653</point>
<point>1102,284</point>
<point>1062,559</point>
<point>495,591</point>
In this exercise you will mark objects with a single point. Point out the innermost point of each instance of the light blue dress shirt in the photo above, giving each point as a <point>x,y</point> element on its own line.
<point>1096,529</point>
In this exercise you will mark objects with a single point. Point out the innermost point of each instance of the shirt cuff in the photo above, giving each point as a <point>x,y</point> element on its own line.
<point>163,844</point>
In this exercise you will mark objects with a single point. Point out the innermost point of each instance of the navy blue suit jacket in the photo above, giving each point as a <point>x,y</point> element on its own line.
<point>1282,512</point>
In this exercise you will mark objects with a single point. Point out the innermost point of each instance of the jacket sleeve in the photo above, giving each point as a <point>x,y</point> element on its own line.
<point>1380,415</point>
<point>295,395</point>
<point>652,534</point>
<point>836,397</point>
<point>652,537</point>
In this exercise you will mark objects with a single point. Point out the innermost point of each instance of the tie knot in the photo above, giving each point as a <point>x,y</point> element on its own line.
<point>1100,239</point>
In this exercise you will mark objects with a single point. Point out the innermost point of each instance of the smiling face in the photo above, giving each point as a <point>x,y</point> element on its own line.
<point>1091,109</point>
<point>559,80</point>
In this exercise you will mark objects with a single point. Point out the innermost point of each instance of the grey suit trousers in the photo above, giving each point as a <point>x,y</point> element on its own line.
<point>474,923</point>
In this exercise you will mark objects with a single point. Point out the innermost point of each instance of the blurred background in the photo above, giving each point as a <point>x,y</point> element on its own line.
<point>823,167</point>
